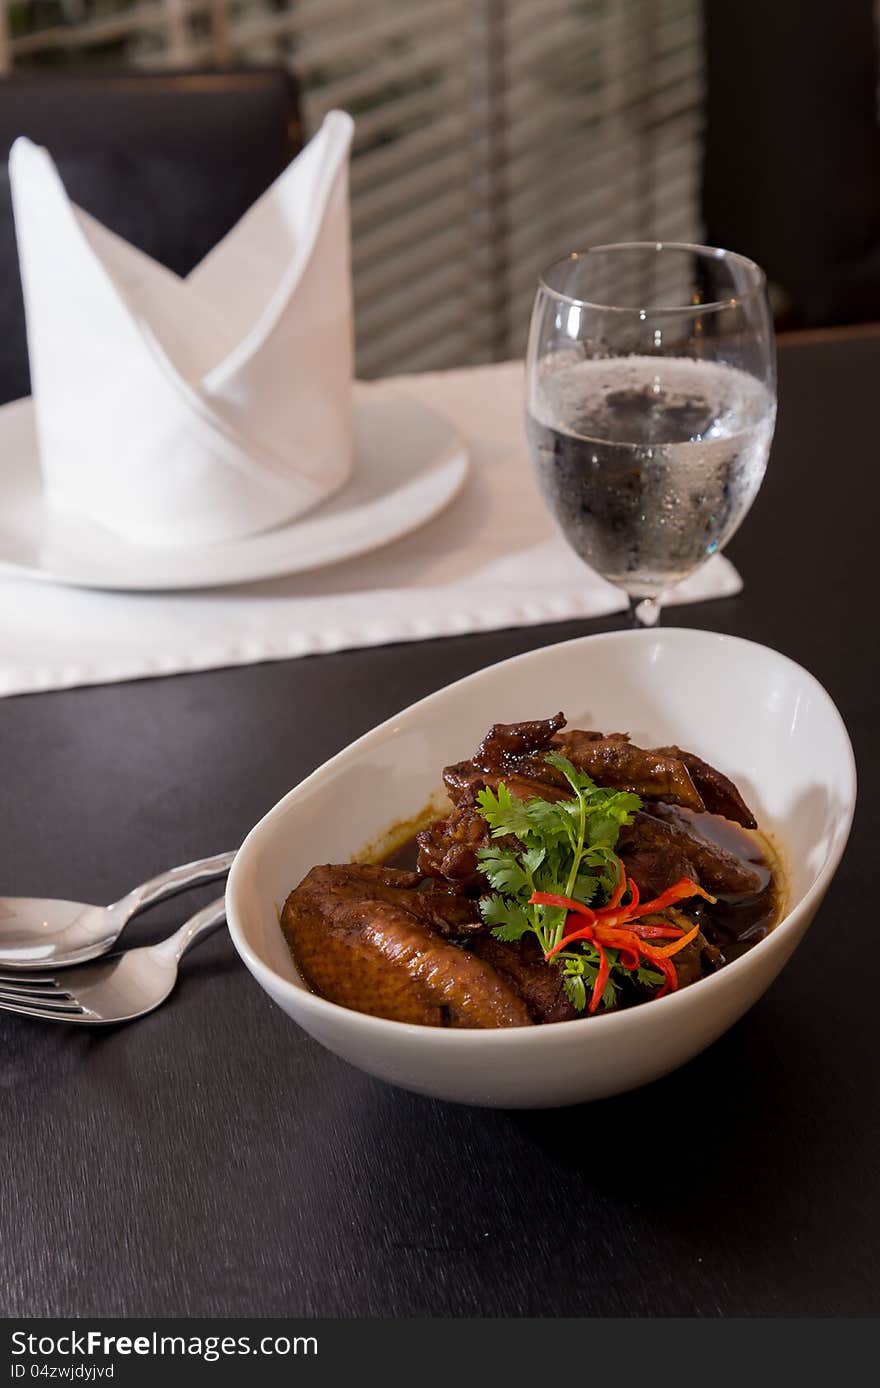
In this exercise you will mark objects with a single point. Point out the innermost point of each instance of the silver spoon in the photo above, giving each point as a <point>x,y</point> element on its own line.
<point>117,989</point>
<point>36,932</point>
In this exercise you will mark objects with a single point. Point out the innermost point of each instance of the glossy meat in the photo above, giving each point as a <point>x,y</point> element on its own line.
<point>365,938</point>
<point>516,754</point>
<point>436,904</point>
<point>657,854</point>
<point>719,794</point>
<point>615,761</point>
<point>507,740</point>
<point>538,983</point>
<point>448,847</point>
<point>525,777</point>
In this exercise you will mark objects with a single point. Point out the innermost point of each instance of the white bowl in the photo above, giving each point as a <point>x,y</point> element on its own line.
<point>749,710</point>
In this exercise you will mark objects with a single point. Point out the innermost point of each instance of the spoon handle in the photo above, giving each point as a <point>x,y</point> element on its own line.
<point>177,879</point>
<point>196,928</point>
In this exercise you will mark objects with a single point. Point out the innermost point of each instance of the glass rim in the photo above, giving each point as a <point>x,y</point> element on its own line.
<point>706,252</point>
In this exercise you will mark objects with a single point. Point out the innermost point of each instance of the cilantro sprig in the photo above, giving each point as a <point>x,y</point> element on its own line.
<point>562,848</point>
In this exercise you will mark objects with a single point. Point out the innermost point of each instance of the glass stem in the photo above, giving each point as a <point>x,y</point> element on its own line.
<point>644,612</point>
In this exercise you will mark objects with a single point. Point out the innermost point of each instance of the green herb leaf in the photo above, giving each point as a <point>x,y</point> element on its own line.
<point>562,848</point>
<point>504,813</point>
<point>649,978</point>
<point>508,919</point>
<point>533,858</point>
<point>586,884</point>
<point>579,974</point>
<point>577,993</point>
<point>504,871</point>
<point>578,780</point>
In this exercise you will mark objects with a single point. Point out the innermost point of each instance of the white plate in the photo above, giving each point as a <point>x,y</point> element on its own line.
<point>409,464</point>
<point>749,710</point>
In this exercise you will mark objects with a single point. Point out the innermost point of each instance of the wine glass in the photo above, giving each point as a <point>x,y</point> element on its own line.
<point>650,406</point>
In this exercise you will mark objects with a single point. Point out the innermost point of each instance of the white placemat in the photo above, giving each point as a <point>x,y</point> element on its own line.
<point>493,559</point>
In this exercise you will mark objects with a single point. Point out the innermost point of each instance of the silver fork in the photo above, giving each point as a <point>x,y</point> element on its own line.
<point>116,989</point>
<point>40,933</point>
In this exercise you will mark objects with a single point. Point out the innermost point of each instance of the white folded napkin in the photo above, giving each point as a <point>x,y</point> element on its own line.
<point>200,409</point>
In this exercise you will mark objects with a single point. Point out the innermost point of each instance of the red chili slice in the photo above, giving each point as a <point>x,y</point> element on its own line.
<point>602,974</point>
<point>604,928</point>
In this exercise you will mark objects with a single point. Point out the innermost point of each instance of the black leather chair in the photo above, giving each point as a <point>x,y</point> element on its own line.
<point>168,160</point>
<point>792,152</point>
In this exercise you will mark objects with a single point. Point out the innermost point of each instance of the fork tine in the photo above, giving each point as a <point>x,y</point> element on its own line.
<point>46,1013</point>
<point>26,984</point>
<point>50,1004</point>
<point>35,994</point>
<point>28,977</point>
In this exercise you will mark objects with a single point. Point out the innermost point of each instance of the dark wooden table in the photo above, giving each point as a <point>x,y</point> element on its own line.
<point>213,1160</point>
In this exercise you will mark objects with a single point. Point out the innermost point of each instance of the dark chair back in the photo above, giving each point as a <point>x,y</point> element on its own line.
<point>792,151</point>
<point>168,160</point>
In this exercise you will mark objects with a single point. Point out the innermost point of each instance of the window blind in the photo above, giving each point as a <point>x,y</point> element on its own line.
<point>492,135</point>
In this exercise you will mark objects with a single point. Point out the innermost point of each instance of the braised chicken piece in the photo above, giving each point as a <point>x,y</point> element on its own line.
<point>434,903</point>
<point>516,753</point>
<point>719,794</point>
<point>448,847</point>
<point>506,741</point>
<point>367,938</point>
<point>616,762</point>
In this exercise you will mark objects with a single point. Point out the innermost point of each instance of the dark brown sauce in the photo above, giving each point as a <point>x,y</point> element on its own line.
<point>405,857</point>
<point>736,921</point>
<point>399,838</point>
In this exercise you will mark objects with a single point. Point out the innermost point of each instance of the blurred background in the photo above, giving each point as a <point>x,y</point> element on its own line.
<point>492,136</point>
